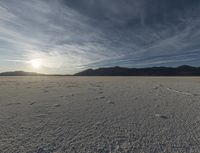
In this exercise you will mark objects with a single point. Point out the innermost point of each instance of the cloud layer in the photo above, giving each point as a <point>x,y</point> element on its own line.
<point>69,35</point>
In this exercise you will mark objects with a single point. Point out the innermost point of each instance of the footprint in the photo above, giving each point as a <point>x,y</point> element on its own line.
<point>45,91</point>
<point>161,116</point>
<point>57,105</point>
<point>102,97</point>
<point>101,92</point>
<point>32,103</point>
<point>156,88</point>
<point>111,102</point>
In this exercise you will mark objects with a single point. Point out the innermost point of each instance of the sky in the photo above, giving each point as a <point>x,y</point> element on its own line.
<point>68,36</point>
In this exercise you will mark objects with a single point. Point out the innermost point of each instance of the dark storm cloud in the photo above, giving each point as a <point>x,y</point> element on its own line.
<point>93,33</point>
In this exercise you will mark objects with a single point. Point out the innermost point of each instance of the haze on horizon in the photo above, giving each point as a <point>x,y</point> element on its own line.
<point>67,36</point>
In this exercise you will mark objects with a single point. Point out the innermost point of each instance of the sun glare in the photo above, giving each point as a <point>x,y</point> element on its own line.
<point>36,63</point>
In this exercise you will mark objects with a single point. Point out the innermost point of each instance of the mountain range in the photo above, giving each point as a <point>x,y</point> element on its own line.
<point>20,73</point>
<point>183,70</point>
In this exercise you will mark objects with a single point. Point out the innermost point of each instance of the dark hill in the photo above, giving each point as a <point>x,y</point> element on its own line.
<point>23,73</point>
<point>20,73</point>
<point>183,70</point>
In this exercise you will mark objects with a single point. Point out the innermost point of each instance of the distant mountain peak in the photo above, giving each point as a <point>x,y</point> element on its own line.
<point>20,73</point>
<point>186,66</point>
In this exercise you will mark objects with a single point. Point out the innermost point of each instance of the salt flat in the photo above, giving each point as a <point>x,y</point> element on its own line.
<point>99,114</point>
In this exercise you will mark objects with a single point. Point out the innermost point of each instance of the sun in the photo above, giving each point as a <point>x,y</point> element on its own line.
<point>35,63</point>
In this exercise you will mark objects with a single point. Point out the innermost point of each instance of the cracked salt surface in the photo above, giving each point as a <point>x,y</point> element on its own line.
<point>99,114</point>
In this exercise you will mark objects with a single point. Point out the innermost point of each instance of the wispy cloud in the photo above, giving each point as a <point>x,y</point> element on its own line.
<point>72,35</point>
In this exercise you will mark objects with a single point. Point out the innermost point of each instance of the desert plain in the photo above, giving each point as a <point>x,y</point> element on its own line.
<point>99,114</point>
